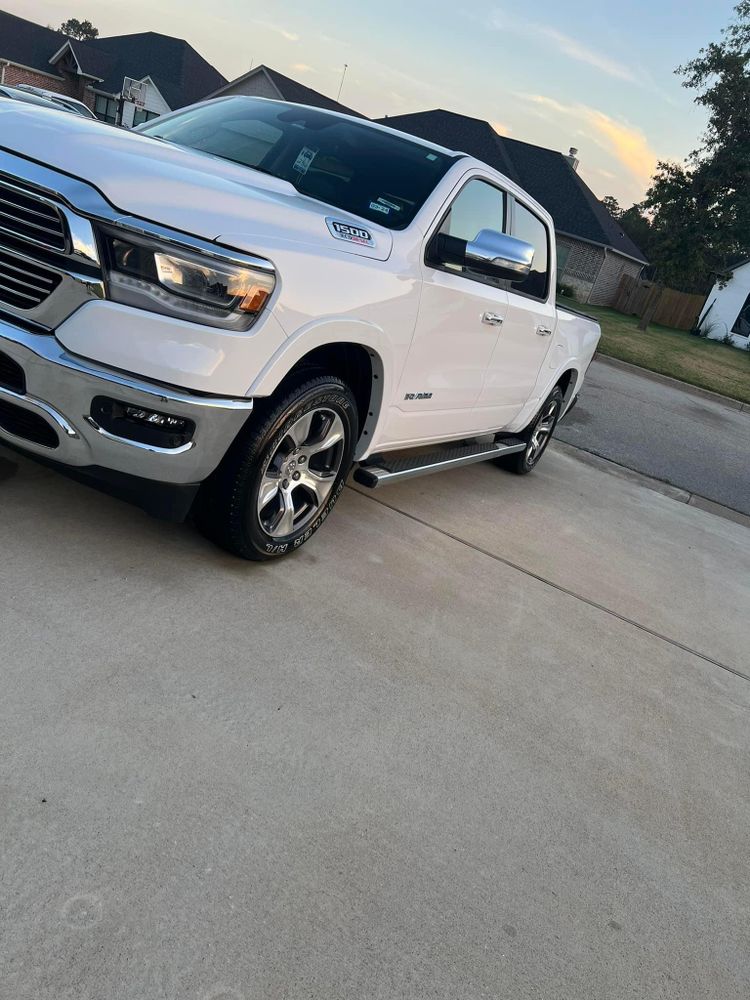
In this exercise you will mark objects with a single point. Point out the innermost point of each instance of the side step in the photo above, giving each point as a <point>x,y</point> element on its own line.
<point>392,469</point>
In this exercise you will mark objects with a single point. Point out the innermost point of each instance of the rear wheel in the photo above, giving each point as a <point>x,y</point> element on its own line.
<point>282,477</point>
<point>537,435</point>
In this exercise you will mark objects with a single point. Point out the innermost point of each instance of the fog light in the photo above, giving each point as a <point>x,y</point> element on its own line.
<point>154,418</point>
<point>136,423</point>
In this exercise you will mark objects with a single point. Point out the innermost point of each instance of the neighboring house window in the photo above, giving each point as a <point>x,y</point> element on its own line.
<point>527,227</point>
<point>742,323</point>
<point>141,115</point>
<point>563,252</point>
<point>106,109</point>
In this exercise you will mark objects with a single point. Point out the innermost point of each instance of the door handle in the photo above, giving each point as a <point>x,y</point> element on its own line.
<point>492,319</point>
<point>544,331</point>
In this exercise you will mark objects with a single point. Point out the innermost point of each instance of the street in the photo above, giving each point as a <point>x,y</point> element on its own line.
<point>484,736</point>
<point>700,445</point>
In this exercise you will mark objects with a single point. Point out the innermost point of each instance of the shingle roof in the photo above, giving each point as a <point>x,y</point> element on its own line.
<point>294,92</point>
<point>26,43</point>
<point>92,62</point>
<point>545,173</point>
<point>179,72</point>
<point>181,75</point>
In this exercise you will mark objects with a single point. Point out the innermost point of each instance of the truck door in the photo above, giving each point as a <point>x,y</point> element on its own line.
<point>460,316</point>
<point>528,330</point>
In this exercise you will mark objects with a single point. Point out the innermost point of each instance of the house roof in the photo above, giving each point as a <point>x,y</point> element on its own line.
<point>27,43</point>
<point>89,62</point>
<point>545,173</point>
<point>181,74</point>
<point>291,90</point>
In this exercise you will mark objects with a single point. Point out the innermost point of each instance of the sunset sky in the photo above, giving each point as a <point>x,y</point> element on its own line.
<point>596,75</point>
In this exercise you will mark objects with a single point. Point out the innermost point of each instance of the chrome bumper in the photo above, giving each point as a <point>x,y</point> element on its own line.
<point>60,388</point>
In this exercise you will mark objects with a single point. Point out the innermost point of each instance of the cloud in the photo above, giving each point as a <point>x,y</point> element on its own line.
<point>290,36</point>
<point>501,128</point>
<point>573,48</point>
<point>501,20</point>
<point>302,68</point>
<point>624,142</point>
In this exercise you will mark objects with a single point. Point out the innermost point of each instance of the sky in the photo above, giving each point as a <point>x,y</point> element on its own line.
<point>595,75</point>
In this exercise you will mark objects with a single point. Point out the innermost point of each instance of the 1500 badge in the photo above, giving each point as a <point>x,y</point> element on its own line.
<point>351,234</point>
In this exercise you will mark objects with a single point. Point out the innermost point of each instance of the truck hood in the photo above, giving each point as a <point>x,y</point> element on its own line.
<point>182,188</point>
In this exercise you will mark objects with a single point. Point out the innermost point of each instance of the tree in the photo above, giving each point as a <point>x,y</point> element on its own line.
<point>637,225</point>
<point>612,205</point>
<point>700,210</point>
<point>84,31</point>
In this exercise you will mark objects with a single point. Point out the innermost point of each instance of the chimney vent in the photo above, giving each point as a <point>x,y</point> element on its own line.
<point>572,157</point>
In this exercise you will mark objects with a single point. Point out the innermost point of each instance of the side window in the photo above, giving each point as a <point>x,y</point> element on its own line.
<point>106,108</point>
<point>477,206</point>
<point>526,226</point>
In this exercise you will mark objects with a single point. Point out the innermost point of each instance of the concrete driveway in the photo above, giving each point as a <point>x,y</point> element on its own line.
<point>484,737</point>
<point>698,444</point>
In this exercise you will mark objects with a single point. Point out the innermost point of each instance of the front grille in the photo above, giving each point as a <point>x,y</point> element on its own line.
<point>24,284</point>
<point>24,424</point>
<point>26,217</point>
<point>11,375</point>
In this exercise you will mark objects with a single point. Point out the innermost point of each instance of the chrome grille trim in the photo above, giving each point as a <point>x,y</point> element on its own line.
<point>25,284</point>
<point>31,218</point>
<point>49,263</point>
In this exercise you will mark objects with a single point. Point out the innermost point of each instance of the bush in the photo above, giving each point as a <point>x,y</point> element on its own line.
<point>704,331</point>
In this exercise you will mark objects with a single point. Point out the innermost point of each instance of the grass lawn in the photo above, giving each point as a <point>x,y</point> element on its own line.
<point>705,363</point>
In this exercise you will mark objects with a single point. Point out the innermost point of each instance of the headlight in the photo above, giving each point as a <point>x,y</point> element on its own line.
<point>189,286</point>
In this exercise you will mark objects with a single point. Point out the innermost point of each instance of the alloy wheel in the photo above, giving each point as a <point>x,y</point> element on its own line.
<point>542,432</point>
<point>301,472</point>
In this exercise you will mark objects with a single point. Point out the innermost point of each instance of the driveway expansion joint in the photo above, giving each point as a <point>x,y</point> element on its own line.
<point>556,586</point>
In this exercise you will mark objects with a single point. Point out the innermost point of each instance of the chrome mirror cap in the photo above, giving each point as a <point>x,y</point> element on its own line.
<point>501,254</point>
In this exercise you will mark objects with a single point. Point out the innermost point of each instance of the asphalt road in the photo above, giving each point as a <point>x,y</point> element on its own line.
<point>485,736</point>
<point>696,444</point>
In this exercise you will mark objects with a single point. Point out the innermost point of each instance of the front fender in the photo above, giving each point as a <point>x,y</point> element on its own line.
<point>322,333</point>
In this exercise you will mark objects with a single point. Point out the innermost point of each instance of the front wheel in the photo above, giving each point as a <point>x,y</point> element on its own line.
<point>537,435</point>
<point>282,477</point>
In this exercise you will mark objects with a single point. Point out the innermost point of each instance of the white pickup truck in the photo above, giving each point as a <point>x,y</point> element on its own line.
<point>225,311</point>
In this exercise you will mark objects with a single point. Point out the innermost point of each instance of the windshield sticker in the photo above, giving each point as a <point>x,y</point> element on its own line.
<point>390,204</point>
<point>377,207</point>
<point>351,234</point>
<point>304,160</point>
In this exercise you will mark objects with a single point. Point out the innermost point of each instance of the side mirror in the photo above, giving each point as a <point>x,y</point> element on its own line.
<point>495,254</point>
<point>500,255</point>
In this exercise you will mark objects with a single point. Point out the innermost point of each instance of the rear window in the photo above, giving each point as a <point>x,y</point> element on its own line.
<point>354,167</point>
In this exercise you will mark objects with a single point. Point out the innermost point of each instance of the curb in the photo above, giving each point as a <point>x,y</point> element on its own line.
<point>649,483</point>
<point>675,383</point>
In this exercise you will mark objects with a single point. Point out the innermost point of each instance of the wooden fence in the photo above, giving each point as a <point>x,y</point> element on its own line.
<point>662,305</point>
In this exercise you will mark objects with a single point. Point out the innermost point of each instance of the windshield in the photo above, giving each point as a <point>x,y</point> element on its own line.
<point>352,166</point>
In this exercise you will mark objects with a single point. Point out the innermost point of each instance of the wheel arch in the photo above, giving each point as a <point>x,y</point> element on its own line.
<point>568,381</point>
<point>353,352</point>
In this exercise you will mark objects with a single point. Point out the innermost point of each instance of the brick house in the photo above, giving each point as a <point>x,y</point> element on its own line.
<point>593,252</point>
<point>93,72</point>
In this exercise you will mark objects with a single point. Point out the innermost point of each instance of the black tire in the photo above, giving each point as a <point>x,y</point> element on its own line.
<point>230,510</point>
<point>523,462</point>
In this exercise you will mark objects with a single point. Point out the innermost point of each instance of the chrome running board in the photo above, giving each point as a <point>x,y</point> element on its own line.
<point>382,469</point>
